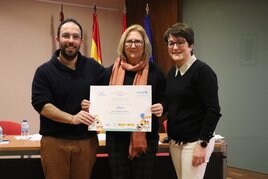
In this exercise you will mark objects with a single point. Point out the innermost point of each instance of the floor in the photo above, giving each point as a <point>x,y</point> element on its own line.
<point>235,173</point>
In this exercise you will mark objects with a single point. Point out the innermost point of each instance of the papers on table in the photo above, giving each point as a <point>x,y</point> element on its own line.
<point>29,137</point>
<point>218,137</point>
<point>4,141</point>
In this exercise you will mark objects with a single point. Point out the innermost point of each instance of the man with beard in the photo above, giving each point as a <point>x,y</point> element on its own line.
<point>68,149</point>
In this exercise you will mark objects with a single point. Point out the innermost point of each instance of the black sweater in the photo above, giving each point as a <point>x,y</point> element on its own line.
<point>65,88</point>
<point>192,103</point>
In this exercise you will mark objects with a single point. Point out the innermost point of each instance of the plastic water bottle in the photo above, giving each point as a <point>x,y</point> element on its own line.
<point>25,128</point>
<point>1,134</point>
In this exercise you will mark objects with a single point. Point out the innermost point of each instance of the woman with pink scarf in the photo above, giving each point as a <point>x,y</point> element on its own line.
<point>132,154</point>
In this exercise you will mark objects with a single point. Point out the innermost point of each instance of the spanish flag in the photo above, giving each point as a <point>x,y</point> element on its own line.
<point>95,44</point>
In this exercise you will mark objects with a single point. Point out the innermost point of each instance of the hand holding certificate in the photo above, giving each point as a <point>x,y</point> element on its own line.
<point>121,108</point>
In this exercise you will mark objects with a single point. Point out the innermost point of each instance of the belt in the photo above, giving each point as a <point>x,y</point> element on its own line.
<point>181,142</point>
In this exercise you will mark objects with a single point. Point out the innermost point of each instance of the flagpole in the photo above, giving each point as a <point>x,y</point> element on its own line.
<point>77,5</point>
<point>61,13</point>
<point>95,8</point>
<point>147,9</point>
<point>124,19</point>
<point>147,27</point>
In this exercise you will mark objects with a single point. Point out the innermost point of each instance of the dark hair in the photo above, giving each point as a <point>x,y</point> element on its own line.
<point>69,20</point>
<point>180,30</point>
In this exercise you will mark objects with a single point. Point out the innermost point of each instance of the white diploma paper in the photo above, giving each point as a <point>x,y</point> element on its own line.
<point>121,108</point>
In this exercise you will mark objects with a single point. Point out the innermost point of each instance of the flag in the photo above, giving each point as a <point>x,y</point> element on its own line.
<point>95,44</point>
<point>61,14</point>
<point>147,27</point>
<point>124,20</point>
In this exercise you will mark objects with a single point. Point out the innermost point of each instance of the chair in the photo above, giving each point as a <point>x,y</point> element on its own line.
<point>165,139</point>
<point>165,124</point>
<point>10,127</point>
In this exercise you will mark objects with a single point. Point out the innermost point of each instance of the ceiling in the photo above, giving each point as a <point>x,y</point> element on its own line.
<point>101,4</point>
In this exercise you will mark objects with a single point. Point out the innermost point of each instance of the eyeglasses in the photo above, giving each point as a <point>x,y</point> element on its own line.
<point>137,43</point>
<point>179,43</point>
<point>67,36</point>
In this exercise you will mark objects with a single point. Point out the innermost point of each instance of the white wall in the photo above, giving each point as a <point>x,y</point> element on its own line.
<point>26,42</point>
<point>231,36</point>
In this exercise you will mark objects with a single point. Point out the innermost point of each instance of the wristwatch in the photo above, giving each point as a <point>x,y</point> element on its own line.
<point>202,143</point>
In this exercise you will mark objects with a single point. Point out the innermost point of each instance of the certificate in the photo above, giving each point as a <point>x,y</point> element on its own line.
<point>121,108</point>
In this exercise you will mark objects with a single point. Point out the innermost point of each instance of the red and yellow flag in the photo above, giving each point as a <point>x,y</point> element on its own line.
<point>95,44</point>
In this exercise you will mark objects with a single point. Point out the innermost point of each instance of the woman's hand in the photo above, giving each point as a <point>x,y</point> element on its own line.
<point>199,155</point>
<point>157,109</point>
<point>85,104</point>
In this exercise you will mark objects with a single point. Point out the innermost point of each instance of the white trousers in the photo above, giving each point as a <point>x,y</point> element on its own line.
<point>182,156</point>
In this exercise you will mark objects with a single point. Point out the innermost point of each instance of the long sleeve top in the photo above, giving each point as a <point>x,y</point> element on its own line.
<point>65,88</point>
<point>192,103</point>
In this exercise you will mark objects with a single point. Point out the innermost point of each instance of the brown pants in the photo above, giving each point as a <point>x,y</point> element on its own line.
<point>68,159</point>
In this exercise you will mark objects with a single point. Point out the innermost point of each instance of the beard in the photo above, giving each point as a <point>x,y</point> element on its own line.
<point>69,54</point>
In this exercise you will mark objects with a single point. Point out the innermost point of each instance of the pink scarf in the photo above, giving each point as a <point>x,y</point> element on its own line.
<point>138,143</point>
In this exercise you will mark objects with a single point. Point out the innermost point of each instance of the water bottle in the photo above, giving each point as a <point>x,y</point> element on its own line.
<point>25,127</point>
<point>1,134</point>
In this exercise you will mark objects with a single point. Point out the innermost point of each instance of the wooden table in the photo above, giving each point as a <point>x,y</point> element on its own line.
<point>30,147</point>
<point>30,167</point>
<point>19,147</point>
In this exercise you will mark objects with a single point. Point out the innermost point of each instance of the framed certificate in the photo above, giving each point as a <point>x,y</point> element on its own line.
<point>121,108</point>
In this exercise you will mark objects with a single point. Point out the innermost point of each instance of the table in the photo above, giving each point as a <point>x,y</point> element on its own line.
<point>32,147</point>
<point>32,166</point>
<point>19,147</point>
